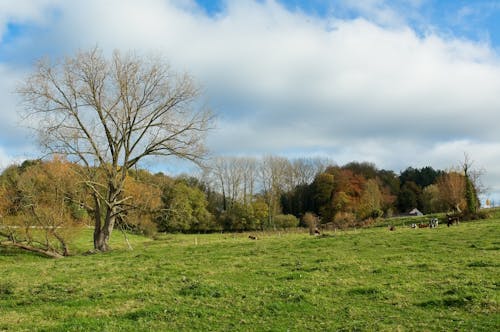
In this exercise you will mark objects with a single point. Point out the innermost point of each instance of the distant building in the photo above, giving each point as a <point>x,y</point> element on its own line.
<point>415,212</point>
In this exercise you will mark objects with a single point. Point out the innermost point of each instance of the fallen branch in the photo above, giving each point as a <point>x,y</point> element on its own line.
<point>48,253</point>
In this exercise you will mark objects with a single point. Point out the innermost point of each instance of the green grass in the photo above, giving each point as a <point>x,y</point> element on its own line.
<point>441,279</point>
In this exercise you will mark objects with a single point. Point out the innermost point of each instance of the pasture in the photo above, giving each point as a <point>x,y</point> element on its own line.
<point>367,279</point>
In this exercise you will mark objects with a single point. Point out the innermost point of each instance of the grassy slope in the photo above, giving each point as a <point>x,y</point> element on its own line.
<point>370,279</point>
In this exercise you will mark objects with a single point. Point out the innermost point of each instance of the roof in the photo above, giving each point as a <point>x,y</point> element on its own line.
<point>416,212</point>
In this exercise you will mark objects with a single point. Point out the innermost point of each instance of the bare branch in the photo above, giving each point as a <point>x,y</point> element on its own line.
<point>109,114</point>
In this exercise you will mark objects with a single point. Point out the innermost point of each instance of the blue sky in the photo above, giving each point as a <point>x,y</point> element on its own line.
<point>471,19</point>
<point>398,83</point>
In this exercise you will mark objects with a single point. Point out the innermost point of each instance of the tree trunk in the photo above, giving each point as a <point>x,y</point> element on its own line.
<point>63,243</point>
<point>97,224</point>
<point>102,234</point>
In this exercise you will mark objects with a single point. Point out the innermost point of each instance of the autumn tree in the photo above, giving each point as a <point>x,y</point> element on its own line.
<point>371,201</point>
<point>109,114</point>
<point>44,211</point>
<point>348,189</point>
<point>451,187</point>
<point>145,204</point>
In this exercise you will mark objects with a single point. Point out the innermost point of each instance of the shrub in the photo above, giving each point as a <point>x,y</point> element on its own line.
<point>286,221</point>
<point>345,219</point>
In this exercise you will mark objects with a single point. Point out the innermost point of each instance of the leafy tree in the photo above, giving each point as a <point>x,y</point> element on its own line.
<point>366,169</point>
<point>371,201</point>
<point>298,200</point>
<point>239,218</point>
<point>322,192</point>
<point>260,213</point>
<point>431,199</point>
<point>471,199</point>
<point>109,115</point>
<point>409,197</point>
<point>421,177</point>
<point>185,210</point>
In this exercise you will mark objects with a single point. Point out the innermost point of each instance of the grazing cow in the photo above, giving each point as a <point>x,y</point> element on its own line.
<point>392,228</point>
<point>423,225</point>
<point>453,220</point>
<point>251,237</point>
<point>434,223</point>
<point>413,225</point>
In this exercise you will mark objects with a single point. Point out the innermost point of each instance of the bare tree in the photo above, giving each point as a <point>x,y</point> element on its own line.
<point>109,114</point>
<point>273,180</point>
<point>305,169</point>
<point>234,177</point>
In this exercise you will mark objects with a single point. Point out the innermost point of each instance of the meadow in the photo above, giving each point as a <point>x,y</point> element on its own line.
<point>444,279</point>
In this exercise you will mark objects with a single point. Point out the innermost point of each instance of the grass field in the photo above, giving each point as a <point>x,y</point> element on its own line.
<point>444,279</point>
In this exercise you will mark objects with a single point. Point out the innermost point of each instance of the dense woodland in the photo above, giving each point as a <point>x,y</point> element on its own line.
<point>43,202</point>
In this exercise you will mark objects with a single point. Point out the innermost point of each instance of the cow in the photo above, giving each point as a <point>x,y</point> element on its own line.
<point>434,223</point>
<point>423,225</point>
<point>453,220</point>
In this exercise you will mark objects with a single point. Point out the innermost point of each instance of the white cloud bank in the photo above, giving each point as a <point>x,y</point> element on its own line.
<point>288,83</point>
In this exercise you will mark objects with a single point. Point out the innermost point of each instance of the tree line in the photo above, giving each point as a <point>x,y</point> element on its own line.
<point>257,193</point>
<point>43,204</point>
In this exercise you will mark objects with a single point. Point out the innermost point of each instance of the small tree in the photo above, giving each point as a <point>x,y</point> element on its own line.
<point>451,187</point>
<point>470,189</point>
<point>110,114</point>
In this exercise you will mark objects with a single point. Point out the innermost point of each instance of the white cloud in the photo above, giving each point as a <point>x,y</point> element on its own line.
<point>7,160</point>
<point>285,82</point>
<point>23,11</point>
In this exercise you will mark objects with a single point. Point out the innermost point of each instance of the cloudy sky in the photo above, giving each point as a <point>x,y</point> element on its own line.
<point>399,83</point>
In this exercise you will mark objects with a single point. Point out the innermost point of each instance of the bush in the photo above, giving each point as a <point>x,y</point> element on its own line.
<point>286,221</point>
<point>481,214</point>
<point>345,219</point>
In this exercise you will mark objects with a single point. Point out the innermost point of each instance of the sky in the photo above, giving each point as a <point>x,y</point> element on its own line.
<point>397,83</point>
